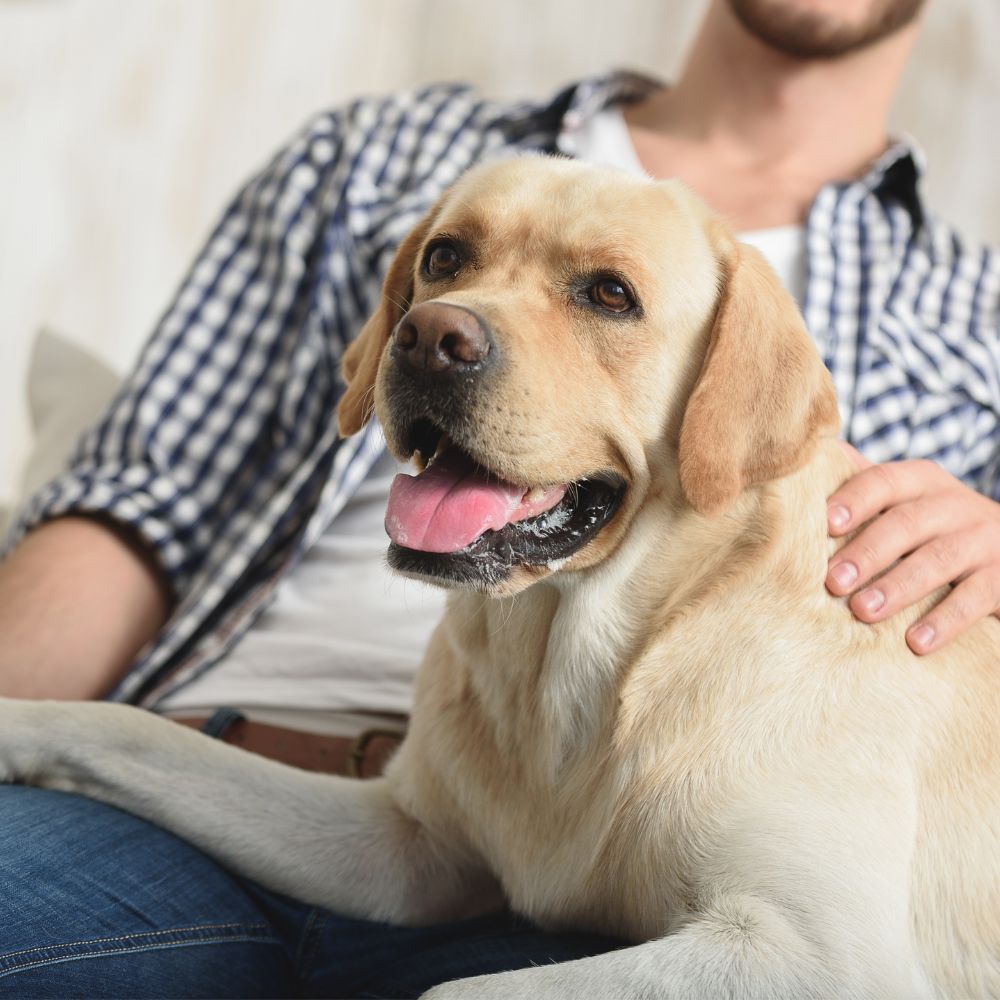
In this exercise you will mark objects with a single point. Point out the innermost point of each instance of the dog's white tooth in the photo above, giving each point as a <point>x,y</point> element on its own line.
<point>418,460</point>
<point>534,495</point>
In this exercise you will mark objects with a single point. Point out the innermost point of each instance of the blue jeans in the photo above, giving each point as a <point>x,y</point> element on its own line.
<point>97,903</point>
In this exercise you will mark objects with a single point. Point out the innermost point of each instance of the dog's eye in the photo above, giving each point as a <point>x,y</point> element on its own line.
<point>441,260</point>
<point>612,295</point>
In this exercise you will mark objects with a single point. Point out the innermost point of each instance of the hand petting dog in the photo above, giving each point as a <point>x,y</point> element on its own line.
<point>940,531</point>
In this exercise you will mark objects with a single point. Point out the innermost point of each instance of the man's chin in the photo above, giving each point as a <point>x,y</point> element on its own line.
<point>797,29</point>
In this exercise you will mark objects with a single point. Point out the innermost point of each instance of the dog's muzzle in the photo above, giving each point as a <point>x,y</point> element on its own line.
<point>459,520</point>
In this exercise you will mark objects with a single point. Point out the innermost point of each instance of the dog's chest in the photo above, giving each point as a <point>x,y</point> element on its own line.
<point>593,849</point>
<point>602,818</point>
<point>583,826</point>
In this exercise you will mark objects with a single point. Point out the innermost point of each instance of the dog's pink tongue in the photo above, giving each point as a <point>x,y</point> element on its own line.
<point>452,502</point>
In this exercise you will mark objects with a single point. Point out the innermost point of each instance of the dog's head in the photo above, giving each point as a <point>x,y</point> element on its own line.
<point>556,342</point>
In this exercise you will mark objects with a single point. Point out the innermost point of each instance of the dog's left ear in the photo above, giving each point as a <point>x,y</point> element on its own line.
<point>359,365</point>
<point>763,397</point>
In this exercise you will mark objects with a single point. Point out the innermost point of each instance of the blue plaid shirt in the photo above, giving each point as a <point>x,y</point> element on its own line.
<point>221,451</point>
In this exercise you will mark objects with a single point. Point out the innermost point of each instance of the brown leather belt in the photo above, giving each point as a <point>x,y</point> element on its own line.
<point>362,756</point>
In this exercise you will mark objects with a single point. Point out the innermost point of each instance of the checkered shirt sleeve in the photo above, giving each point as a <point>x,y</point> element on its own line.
<point>230,395</point>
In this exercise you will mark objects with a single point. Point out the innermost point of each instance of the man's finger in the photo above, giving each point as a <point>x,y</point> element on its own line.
<point>972,599</point>
<point>934,565</point>
<point>904,528</point>
<point>874,489</point>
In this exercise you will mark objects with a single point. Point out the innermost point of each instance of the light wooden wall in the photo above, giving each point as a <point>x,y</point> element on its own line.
<point>125,125</point>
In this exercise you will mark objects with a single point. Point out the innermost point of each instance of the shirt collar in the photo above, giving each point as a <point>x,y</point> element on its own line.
<point>593,95</point>
<point>554,124</point>
<point>896,176</point>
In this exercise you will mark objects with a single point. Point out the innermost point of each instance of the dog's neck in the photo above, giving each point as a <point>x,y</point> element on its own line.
<point>548,662</point>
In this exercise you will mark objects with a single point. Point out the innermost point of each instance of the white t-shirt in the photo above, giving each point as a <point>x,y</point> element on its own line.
<point>344,634</point>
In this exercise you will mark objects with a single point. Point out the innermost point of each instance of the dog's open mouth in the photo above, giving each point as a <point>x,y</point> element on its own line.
<point>458,521</point>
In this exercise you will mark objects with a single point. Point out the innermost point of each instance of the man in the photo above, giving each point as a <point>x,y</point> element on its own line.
<point>207,493</point>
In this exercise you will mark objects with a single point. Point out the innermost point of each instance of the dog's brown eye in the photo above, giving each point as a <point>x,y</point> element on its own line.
<point>611,295</point>
<point>442,260</point>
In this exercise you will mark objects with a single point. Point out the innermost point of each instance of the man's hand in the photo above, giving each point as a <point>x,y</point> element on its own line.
<point>939,529</point>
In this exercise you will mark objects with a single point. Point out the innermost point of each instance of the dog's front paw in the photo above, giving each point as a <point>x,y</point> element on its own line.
<point>536,983</point>
<point>23,745</point>
<point>39,740</point>
<point>480,987</point>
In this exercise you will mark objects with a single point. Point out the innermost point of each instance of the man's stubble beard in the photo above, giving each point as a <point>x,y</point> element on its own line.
<point>786,26</point>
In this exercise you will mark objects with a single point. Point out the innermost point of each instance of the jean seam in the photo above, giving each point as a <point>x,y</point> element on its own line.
<point>248,928</point>
<point>65,956</point>
<point>309,944</point>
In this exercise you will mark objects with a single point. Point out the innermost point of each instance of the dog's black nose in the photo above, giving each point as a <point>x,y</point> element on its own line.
<point>438,338</point>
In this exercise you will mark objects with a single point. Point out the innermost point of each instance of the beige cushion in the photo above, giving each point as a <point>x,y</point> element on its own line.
<point>68,388</point>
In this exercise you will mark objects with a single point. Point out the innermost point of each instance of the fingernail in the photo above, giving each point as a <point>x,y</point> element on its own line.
<point>922,637</point>
<point>837,515</point>
<point>871,600</point>
<point>844,574</point>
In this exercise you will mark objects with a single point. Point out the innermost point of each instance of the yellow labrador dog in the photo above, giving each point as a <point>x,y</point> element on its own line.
<point>642,713</point>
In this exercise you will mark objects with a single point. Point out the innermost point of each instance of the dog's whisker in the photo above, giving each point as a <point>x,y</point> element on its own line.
<point>506,613</point>
<point>400,302</point>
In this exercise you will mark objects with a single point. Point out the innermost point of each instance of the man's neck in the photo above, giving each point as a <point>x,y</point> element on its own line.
<point>743,110</point>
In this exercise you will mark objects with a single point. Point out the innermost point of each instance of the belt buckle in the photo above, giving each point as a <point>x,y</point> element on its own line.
<point>356,755</point>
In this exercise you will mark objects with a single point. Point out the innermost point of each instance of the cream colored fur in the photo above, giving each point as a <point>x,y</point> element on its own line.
<point>678,736</point>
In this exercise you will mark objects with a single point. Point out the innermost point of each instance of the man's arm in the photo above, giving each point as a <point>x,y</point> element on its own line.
<point>77,602</point>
